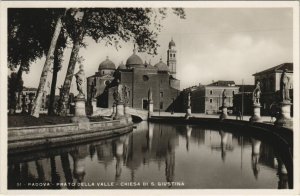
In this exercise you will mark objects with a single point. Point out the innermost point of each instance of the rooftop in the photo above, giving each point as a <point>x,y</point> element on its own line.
<point>277,69</point>
<point>222,83</point>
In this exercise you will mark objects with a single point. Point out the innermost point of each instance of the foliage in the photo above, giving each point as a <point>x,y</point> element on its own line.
<point>29,35</point>
<point>13,87</point>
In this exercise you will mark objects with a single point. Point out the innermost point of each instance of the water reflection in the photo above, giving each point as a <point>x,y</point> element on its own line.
<point>199,157</point>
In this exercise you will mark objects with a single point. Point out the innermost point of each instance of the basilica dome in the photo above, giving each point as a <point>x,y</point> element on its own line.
<point>107,64</point>
<point>122,66</point>
<point>134,61</point>
<point>161,66</point>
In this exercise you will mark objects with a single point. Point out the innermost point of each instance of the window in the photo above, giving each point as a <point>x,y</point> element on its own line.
<point>161,94</point>
<point>145,78</point>
<point>210,92</point>
<point>210,100</point>
<point>161,105</point>
<point>173,55</point>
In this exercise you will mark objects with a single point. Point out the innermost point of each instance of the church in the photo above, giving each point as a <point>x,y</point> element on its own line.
<point>139,77</point>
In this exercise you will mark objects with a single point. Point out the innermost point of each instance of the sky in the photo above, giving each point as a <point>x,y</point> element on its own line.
<point>212,44</point>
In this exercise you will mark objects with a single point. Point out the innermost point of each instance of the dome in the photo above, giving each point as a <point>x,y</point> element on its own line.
<point>171,43</point>
<point>161,66</point>
<point>134,61</point>
<point>107,64</point>
<point>122,66</point>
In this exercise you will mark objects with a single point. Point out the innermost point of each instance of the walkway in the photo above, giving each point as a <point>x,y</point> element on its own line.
<point>265,119</point>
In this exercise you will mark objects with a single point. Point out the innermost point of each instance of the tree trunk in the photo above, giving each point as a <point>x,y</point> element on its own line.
<point>38,99</point>
<point>56,65</point>
<point>64,96</point>
<point>16,89</point>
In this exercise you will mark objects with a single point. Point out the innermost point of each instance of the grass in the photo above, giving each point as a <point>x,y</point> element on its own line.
<point>19,120</point>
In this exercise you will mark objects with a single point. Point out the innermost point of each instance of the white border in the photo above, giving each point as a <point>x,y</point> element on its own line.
<point>185,4</point>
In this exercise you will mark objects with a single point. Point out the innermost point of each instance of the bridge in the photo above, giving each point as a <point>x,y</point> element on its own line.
<point>138,113</point>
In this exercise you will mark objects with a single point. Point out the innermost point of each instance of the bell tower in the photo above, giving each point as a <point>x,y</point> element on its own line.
<point>171,60</point>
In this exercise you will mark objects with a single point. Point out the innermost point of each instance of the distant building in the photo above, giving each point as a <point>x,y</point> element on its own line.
<point>27,92</point>
<point>139,77</point>
<point>208,98</point>
<point>270,84</point>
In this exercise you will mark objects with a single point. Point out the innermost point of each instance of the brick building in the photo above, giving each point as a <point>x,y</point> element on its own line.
<point>208,98</point>
<point>270,84</point>
<point>139,77</point>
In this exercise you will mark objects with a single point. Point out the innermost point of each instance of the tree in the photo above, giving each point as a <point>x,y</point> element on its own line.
<point>38,99</point>
<point>29,35</point>
<point>111,25</point>
<point>14,86</point>
<point>57,64</point>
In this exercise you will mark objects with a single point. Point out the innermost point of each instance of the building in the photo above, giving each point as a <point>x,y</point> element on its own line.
<point>208,98</point>
<point>138,77</point>
<point>30,93</point>
<point>270,84</point>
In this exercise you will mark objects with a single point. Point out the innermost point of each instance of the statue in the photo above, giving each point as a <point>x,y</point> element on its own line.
<point>80,80</point>
<point>189,100</point>
<point>150,95</point>
<point>256,93</point>
<point>224,97</point>
<point>126,94</point>
<point>117,95</point>
<point>284,86</point>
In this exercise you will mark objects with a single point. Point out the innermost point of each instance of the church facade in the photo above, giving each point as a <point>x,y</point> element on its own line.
<point>139,77</point>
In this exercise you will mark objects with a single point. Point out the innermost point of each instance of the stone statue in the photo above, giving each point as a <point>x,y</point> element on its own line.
<point>150,95</point>
<point>189,100</point>
<point>256,93</point>
<point>224,97</point>
<point>284,86</point>
<point>126,94</point>
<point>80,76</point>
<point>118,94</point>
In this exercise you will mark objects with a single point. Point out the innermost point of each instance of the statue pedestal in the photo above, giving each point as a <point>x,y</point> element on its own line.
<point>284,119</point>
<point>119,111</point>
<point>224,114</point>
<point>150,109</point>
<point>126,109</point>
<point>80,114</point>
<point>256,113</point>
<point>188,113</point>
<point>114,111</point>
<point>94,105</point>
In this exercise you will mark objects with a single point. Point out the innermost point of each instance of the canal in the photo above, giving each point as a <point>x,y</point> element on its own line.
<point>159,156</point>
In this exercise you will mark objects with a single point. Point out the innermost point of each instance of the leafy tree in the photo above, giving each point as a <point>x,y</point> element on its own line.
<point>13,87</point>
<point>112,25</point>
<point>38,99</point>
<point>29,35</point>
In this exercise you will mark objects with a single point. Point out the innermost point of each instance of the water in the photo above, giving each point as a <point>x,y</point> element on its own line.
<point>155,156</point>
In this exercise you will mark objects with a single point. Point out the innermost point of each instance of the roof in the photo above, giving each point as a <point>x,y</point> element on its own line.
<point>161,66</point>
<point>222,83</point>
<point>247,88</point>
<point>171,43</point>
<point>107,64</point>
<point>277,69</point>
<point>134,61</point>
<point>122,66</point>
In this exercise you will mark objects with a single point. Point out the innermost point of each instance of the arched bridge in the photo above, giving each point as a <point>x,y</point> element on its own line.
<point>138,113</point>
